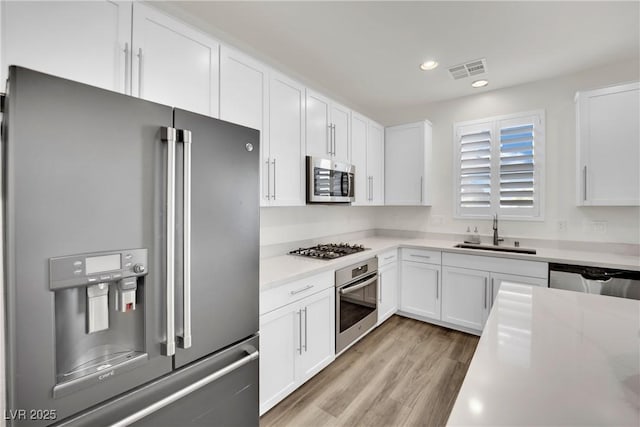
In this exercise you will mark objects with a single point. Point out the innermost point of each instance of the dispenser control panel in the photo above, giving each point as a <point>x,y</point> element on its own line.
<point>94,268</point>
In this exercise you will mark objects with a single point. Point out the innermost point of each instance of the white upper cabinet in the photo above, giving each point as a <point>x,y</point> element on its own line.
<point>359,131</point>
<point>283,158</point>
<point>328,129</point>
<point>608,146</point>
<point>375,163</point>
<point>172,63</point>
<point>407,164</point>
<point>83,41</point>
<point>367,154</point>
<point>244,99</point>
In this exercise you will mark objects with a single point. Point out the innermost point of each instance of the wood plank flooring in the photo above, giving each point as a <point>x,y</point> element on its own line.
<point>404,373</point>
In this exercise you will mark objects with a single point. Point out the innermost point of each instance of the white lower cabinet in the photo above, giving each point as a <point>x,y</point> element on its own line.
<point>387,290</point>
<point>465,295</point>
<point>420,289</point>
<point>470,284</point>
<point>296,342</point>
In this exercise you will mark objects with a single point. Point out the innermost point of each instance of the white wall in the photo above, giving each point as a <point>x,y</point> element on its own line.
<point>555,96</point>
<point>282,225</point>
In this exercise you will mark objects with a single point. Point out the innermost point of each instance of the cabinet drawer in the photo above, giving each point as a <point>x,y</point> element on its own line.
<point>387,257</point>
<point>498,265</point>
<point>422,255</point>
<point>294,291</point>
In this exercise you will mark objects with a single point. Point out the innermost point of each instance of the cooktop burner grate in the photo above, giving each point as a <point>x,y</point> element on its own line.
<point>328,250</point>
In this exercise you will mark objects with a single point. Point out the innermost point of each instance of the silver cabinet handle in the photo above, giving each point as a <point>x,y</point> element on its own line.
<point>140,72</point>
<point>185,341</point>
<point>169,136</point>
<point>421,189</point>
<point>268,179</point>
<point>421,256</point>
<point>127,69</point>
<point>372,188</point>
<point>437,283</point>
<point>585,183</point>
<point>334,139</point>
<point>358,286</point>
<point>329,136</point>
<point>274,178</point>
<point>305,330</point>
<point>186,391</point>
<point>388,257</point>
<point>306,288</point>
<point>299,331</point>
<point>485,292</point>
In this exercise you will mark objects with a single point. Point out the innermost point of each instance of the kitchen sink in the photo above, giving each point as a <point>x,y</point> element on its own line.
<point>496,248</point>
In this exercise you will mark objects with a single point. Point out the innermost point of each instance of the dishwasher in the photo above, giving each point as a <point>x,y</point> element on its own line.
<point>595,280</point>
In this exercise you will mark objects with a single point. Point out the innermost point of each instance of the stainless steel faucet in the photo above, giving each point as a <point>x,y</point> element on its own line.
<point>496,239</point>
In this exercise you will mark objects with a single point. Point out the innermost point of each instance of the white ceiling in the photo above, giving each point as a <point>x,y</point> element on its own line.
<point>367,54</point>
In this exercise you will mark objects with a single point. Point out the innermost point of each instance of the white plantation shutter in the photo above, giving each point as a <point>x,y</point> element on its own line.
<point>475,169</point>
<point>516,166</point>
<point>498,165</point>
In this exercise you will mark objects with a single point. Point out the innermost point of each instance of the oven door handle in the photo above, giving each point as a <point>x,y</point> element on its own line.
<point>354,288</point>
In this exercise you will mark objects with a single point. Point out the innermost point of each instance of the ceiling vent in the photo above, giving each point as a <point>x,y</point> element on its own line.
<point>471,68</point>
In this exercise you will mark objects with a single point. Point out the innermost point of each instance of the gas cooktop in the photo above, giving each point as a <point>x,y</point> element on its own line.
<point>328,250</point>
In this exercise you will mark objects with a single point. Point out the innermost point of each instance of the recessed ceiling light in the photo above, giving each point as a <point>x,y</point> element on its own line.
<point>480,83</point>
<point>428,65</point>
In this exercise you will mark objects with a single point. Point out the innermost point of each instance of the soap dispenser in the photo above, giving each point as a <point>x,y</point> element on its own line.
<point>468,237</point>
<point>476,236</point>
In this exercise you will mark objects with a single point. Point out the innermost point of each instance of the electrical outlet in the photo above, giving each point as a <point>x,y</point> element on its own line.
<point>599,227</point>
<point>563,225</point>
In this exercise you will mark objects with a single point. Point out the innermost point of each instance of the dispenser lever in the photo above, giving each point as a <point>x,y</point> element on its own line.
<point>97,307</point>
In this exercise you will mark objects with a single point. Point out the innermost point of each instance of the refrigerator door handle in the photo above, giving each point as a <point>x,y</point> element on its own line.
<point>185,139</point>
<point>140,72</point>
<point>169,136</point>
<point>186,391</point>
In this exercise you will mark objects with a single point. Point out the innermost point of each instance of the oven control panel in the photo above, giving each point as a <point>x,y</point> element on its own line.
<point>93,268</point>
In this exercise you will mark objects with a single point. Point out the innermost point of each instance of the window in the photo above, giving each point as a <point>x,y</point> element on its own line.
<point>499,166</point>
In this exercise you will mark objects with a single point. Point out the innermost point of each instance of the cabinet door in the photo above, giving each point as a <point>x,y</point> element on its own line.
<point>173,64</point>
<point>318,323</point>
<point>609,146</point>
<point>317,126</point>
<point>498,278</point>
<point>340,118</point>
<point>280,345</point>
<point>286,137</point>
<point>83,41</point>
<point>404,165</point>
<point>465,297</point>
<point>375,163</point>
<point>359,131</point>
<point>388,291</point>
<point>420,289</point>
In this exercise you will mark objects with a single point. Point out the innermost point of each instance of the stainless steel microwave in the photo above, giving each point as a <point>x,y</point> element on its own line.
<point>329,181</point>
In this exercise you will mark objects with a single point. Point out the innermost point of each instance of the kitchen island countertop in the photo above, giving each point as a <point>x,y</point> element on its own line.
<point>554,357</point>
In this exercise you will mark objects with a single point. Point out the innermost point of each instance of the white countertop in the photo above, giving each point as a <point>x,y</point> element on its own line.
<point>554,357</point>
<point>275,271</point>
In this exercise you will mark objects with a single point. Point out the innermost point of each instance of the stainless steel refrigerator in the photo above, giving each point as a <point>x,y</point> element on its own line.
<point>131,260</point>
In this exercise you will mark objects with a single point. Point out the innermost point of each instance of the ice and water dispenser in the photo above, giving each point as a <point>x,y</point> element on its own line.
<point>99,315</point>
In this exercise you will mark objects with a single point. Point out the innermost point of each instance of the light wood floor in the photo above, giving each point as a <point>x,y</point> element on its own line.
<point>404,373</point>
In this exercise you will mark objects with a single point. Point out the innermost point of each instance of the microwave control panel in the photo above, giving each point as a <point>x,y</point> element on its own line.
<point>94,268</point>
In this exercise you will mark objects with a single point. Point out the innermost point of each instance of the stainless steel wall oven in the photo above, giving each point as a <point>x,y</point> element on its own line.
<point>356,301</point>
